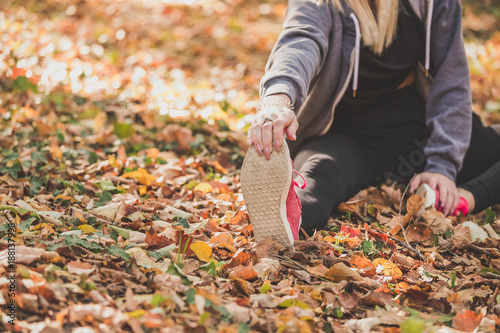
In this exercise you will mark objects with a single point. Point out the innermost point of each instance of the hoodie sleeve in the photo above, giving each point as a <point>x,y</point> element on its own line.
<point>300,51</point>
<point>449,105</point>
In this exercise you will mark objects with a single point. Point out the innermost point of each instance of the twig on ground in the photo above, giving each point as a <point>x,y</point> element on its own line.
<point>400,208</point>
<point>407,245</point>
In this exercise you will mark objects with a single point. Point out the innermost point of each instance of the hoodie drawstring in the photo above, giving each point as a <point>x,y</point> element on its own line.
<point>357,48</point>
<point>430,7</point>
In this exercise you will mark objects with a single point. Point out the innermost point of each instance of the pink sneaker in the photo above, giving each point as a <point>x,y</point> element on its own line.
<point>269,193</point>
<point>431,199</point>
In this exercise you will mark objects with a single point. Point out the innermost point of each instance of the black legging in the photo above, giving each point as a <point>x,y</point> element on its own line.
<point>385,140</point>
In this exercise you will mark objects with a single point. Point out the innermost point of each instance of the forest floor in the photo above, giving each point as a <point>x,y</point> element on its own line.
<point>122,132</point>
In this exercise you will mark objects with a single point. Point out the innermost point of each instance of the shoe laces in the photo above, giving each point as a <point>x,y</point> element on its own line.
<point>303,186</point>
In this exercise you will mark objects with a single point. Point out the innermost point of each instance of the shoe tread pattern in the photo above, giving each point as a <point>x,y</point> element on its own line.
<point>263,183</point>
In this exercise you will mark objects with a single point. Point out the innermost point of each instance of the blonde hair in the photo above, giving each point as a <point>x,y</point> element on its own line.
<point>377,33</point>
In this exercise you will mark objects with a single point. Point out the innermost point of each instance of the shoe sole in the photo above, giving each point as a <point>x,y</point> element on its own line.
<point>265,185</point>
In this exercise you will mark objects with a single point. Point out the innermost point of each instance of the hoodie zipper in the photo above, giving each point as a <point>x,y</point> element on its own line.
<point>353,63</point>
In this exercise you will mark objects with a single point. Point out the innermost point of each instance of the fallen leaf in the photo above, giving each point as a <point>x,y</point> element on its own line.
<point>413,205</point>
<point>79,268</point>
<point>202,250</point>
<point>467,321</point>
<point>318,270</point>
<point>243,272</point>
<point>154,241</point>
<point>204,188</point>
<point>387,268</point>
<point>87,229</point>
<point>141,175</point>
<point>418,232</point>
<point>221,238</point>
<point>351,232</point>
<point>340,272</point>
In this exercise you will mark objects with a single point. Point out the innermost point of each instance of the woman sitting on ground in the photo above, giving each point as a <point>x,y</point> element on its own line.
<point>366,89</point>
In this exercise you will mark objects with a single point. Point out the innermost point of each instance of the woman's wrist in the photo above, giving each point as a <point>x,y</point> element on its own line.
<point>275,100</point>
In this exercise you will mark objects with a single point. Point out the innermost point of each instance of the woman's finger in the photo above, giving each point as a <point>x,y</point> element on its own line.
<point>257,137</point>
<point>415,183</point>
<point>267,137</point>
<point>291,131</point>
<point>250,135</point>
<point>443,197</point>
<point>278,126</point>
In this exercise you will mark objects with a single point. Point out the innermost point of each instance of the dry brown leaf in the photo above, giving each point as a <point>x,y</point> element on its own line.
<point>418,232</point>
<point>154,241</point>
<point>242,285</point>
<point>319,270</point>
<point>436,221</point>
<point>413,205</point>
<point>348,301</point>
<point>461,237</point>
<point>340,272</point>
<point>243,272</point>
<point>79,268</point>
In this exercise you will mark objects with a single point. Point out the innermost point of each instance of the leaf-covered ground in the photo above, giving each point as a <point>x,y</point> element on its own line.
<point>122,132</point>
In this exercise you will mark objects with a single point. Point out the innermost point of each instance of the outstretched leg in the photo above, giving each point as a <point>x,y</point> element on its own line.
<point>480,175</point>
<point>335,168</point>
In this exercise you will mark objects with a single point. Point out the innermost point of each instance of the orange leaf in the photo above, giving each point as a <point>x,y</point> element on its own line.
<point>330,239</point>
<point>238,217</point>
<point>351,243</point>
<point>360,261</point>
<point>219,167</point>
<point>154,241</point>
<point>380,237</point>
<point>467,321</point>
<point>221,238</point>
<point>243,272</point>
<point>65,197</point>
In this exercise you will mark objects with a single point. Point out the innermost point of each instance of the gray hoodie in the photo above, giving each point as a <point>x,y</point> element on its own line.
<point>317,54</point>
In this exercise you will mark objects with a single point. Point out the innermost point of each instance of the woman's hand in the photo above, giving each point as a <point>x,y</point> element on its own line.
<point>448,195</point>
<point>272,121</point>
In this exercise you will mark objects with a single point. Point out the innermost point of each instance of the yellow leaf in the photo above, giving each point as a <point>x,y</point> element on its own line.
<point>142,190</point>
<point>40,226</point>
<point>65,197</point>
<point>112,161</point>
<point>202,250</point>
<point>137,313</point>
<point>17,220</point>
<point>79,216</point>
<point>141,175</point>
<point>204,188</point>
<point>386,267</point>
<point>87,229</point>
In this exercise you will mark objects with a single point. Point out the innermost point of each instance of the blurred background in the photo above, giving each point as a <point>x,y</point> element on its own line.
<point>112,73</point>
